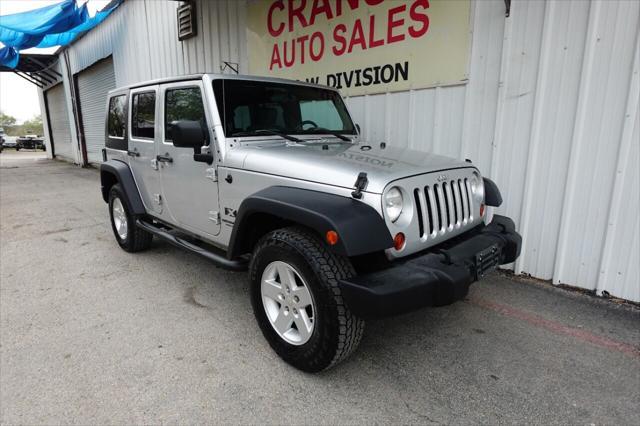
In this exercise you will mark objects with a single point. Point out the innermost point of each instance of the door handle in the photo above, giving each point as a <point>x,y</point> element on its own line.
<point>164,158</point>
<point>133,153</point>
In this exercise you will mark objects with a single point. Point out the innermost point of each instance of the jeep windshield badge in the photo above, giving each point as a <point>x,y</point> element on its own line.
<point>361,184</point>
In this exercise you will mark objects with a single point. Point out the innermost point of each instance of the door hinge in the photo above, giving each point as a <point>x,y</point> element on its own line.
<point>212,174</point>
<point>214,216</point>
<point>157,198</point>
<point>154,164</point>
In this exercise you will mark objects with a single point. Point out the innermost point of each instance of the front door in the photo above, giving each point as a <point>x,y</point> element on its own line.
<point>189,188</point>
<point>143,137</point>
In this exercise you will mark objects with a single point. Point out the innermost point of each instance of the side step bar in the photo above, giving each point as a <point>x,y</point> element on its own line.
<point>219,259</point>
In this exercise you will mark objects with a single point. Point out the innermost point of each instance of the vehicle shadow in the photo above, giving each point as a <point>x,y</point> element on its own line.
<point>225,296</point>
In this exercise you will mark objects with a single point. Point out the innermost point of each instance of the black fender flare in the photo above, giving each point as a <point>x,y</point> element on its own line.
<point>492,196</point>
<point>122,173</point>
<point>360,228</point>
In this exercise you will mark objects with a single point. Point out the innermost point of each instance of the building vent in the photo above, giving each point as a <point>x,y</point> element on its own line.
<point>186,21</point>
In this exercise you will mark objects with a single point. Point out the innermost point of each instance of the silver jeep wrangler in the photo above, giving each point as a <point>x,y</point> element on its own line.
<point>273,176</point>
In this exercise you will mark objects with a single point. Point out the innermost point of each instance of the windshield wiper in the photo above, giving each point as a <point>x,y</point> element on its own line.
<point>268,132</point>
<point>338,135</point>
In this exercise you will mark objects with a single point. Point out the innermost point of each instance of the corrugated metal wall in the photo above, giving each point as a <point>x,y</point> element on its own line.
<point>550,112</point>
<point>93,84</point>
<point>575,102</point>
<point>60,128</point>
<point>142,36</point>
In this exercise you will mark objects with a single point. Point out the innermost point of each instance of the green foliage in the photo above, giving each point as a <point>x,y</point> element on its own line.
<point>6,120</point>
<point>33,126</point>
<point>29,127</point>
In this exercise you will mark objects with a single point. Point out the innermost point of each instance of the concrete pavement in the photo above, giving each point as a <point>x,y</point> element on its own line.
<point>90,334</point>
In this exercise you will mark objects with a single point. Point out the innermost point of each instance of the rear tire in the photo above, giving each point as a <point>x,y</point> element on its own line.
<point>128,235</point>
<point>336,332</point>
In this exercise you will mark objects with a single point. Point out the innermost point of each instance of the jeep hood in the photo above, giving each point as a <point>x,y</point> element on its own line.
<point>340,164</point>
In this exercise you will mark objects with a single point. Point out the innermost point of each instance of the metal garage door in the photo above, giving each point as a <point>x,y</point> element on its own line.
<point>93,85</point>
<point>59,122</point>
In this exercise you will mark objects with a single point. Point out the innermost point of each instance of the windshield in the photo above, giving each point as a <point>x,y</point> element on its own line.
<point>248,108</point>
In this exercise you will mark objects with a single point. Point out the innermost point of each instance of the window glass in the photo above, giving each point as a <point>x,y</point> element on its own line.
<point>320,112</point>
<point>265,116</point>
<point>241,118</point>
<point>143,113</point>
<point>116,116</point>
<point>246,107</point>
<point>184,103</point>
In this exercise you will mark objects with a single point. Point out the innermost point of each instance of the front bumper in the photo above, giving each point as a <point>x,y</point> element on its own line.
<point>437,278</point>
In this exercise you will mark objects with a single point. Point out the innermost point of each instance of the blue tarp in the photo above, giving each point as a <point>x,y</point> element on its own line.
<point>62,39</point>
<point>56,25</point>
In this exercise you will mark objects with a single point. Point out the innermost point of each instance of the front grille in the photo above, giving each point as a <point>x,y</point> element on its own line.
<point>443,207</point>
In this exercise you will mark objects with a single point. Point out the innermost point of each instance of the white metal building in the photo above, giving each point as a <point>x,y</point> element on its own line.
<point>549,111</point>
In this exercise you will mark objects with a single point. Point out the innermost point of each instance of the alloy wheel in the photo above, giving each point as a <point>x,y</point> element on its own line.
<point>288,303</point>
<point>119,218</point>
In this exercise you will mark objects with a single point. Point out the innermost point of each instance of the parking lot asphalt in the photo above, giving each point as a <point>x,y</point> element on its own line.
<point>90,334</point>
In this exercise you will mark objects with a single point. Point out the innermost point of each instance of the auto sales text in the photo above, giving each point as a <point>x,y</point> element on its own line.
<point>404,21</point>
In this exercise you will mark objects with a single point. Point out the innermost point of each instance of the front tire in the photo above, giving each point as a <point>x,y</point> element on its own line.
<point>297,301</point>
<point>128,235</point>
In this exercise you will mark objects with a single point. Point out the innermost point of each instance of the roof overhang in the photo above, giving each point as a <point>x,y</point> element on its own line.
<point>38,69</point>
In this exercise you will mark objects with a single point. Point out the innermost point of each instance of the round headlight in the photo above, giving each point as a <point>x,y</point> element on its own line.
<point>393,203</point>
<point>477,188</point>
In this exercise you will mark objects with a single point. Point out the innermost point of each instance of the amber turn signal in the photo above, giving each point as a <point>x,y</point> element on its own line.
<point>481,210</point>
<point>398,241</point>
<point>332,238</point>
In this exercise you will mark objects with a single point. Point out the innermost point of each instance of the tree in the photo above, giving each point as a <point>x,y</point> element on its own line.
<point>7,120</point>
<point>33,126</point>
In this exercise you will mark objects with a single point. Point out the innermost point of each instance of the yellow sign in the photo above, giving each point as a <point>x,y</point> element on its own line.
<point>361,46</point>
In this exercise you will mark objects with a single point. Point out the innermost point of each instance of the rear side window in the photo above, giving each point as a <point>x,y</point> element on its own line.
<point>184,103</point>
<point>143,119</point>
<point>116,116</point>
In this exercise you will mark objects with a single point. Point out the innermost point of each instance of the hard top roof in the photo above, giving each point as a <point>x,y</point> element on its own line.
<point>214,76</point>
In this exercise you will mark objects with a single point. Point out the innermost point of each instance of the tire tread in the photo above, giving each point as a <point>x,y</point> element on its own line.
<point>138,239</point>
<point>333,268</point>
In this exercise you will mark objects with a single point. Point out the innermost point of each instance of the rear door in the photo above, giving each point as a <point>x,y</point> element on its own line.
<point>189,188</point>
<point>143,139</point>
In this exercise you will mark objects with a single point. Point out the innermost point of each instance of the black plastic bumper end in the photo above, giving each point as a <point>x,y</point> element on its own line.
<point>437,278</point>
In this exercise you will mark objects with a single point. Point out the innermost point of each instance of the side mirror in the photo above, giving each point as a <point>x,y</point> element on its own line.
<point>190,134</point>
<point>187,134</point>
